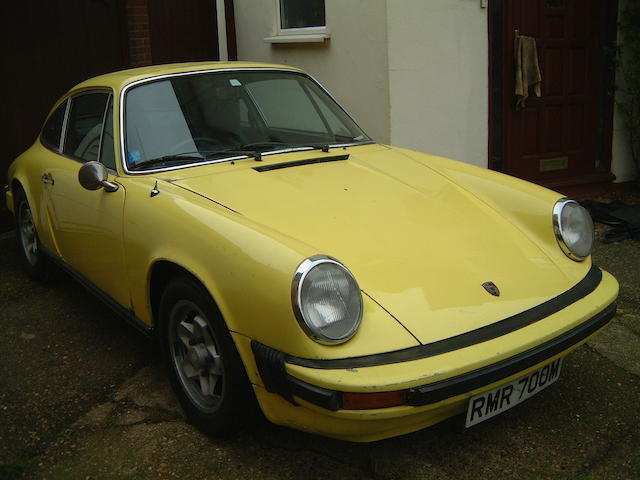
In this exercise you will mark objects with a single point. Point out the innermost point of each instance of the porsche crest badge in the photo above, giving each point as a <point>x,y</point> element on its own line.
<point>492,288</point>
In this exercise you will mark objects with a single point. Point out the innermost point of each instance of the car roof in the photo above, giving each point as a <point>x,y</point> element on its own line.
<point>117,80</point>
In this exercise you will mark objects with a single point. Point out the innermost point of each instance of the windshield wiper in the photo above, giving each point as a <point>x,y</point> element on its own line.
<point>323,147</point>
<point>251,150</point>
<point>191,156</point>
<point>177,158</point>
<point>256,155</point>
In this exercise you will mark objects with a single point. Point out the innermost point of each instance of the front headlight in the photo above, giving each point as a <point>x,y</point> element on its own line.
<point>326,300</point>
<point>573,228</point>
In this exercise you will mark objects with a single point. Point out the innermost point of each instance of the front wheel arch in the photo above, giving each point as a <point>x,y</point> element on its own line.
<point>206,350</point>
<point>162,272</point>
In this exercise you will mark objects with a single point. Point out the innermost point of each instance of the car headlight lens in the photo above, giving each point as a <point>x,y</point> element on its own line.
<point>326,300</point>
<point>574,229</point>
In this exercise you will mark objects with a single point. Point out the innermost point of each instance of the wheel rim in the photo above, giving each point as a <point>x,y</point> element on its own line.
<point>28,236</point>
<point>195,355</point>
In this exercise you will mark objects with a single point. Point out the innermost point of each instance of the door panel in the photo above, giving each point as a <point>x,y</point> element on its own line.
<point>87,226</point>
<point>555,139</point>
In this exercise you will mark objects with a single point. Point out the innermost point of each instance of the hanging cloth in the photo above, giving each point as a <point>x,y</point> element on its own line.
<point>527,69</point>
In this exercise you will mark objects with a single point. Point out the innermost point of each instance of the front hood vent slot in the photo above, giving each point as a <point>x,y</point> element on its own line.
<point>296,163</point>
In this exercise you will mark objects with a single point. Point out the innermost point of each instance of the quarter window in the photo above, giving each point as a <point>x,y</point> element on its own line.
<point>52,131</point>
<point>84,127</point>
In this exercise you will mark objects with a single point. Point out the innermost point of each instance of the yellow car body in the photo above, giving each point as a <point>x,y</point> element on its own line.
<point>421,234</point>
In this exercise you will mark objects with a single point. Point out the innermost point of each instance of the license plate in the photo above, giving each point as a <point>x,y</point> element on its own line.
<point>489,404</point>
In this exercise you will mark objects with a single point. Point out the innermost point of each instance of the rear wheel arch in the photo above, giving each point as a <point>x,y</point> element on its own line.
<point>30,250</point>
<point>19,187</point>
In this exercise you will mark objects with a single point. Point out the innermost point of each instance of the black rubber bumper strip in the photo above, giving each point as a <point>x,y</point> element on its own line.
<point>502,327</point>
<point>271,366</point>
<point>434,392</point>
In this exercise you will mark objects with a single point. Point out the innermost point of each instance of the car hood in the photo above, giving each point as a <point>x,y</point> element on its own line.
<point>418,244</point>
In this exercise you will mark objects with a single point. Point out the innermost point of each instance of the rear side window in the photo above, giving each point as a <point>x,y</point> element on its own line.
<point>84,126</point>
<point>52,130</point>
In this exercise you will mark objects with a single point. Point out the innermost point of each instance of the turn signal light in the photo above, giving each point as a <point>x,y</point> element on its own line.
<point>370,400</point>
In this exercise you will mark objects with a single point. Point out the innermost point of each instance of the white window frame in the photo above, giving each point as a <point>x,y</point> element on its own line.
<point>297,35</point>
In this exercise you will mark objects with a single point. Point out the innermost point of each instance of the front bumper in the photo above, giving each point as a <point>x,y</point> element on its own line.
<point>438,378</point>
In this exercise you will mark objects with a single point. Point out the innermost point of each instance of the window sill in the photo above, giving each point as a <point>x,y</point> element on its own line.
<point>304,38</point>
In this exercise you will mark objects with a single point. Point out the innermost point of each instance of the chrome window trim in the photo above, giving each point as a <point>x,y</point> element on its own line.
<point>557,228</point>
<point>126,88</point>
<point>296,290</point>
<point>104,119</point>
<point>63,132</point>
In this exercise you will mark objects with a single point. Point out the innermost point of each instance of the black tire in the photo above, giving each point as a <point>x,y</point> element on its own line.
<point>203,365</point>
<point>33,258</point>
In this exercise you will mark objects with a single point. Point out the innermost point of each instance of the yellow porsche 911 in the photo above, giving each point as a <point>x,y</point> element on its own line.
<point>287,262</point>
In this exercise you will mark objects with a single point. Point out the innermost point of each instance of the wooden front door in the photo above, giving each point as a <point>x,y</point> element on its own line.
<point>564,136</point>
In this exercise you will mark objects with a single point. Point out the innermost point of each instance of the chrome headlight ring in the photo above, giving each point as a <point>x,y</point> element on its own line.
<point>573,228</point>
<point>326,300</point>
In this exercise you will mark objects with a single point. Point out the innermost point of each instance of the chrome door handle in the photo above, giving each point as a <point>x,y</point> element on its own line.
<point>46,178</point>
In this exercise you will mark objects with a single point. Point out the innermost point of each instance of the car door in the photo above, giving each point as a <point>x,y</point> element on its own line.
<point>86,226</point>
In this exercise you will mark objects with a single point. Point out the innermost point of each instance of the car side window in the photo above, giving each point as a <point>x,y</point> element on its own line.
<point>84,126</point>
<point>52,131</point>
<point>107,154</point>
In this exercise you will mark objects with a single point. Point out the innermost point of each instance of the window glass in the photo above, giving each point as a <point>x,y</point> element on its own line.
<point>301,13</point>
<point>52,130</point>
<point>189,118</point>
<point>272,95</point>
<point>82,138</point>
<point>156,123</point>
<point>107,155</point>
<point>338,128</point>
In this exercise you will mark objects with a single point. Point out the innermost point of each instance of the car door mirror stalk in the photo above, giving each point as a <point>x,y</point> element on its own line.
<point>93,176</point>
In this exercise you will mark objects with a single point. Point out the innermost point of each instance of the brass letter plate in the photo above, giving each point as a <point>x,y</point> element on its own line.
<point>551,164</point>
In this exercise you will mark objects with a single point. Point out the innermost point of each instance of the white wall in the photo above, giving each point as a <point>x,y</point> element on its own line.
<point>352,64</point>
<point>437,105</point>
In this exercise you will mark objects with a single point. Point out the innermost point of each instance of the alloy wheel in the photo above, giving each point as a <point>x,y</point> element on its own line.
<point>195,355</point>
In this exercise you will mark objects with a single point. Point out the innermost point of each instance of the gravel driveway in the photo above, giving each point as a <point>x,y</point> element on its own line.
<point>81,397</point>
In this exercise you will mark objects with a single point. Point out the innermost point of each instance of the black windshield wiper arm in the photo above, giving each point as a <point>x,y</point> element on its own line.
<point>323,147</point>
<point>256,155</point>
<point>190,156</point>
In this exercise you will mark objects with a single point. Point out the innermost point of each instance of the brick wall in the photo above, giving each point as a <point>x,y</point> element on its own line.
<point>138,28</point>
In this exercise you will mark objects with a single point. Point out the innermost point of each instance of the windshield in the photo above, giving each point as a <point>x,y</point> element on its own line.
<point>190,118</point>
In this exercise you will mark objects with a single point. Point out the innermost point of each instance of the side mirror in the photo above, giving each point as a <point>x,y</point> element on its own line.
<point>93,176</point>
